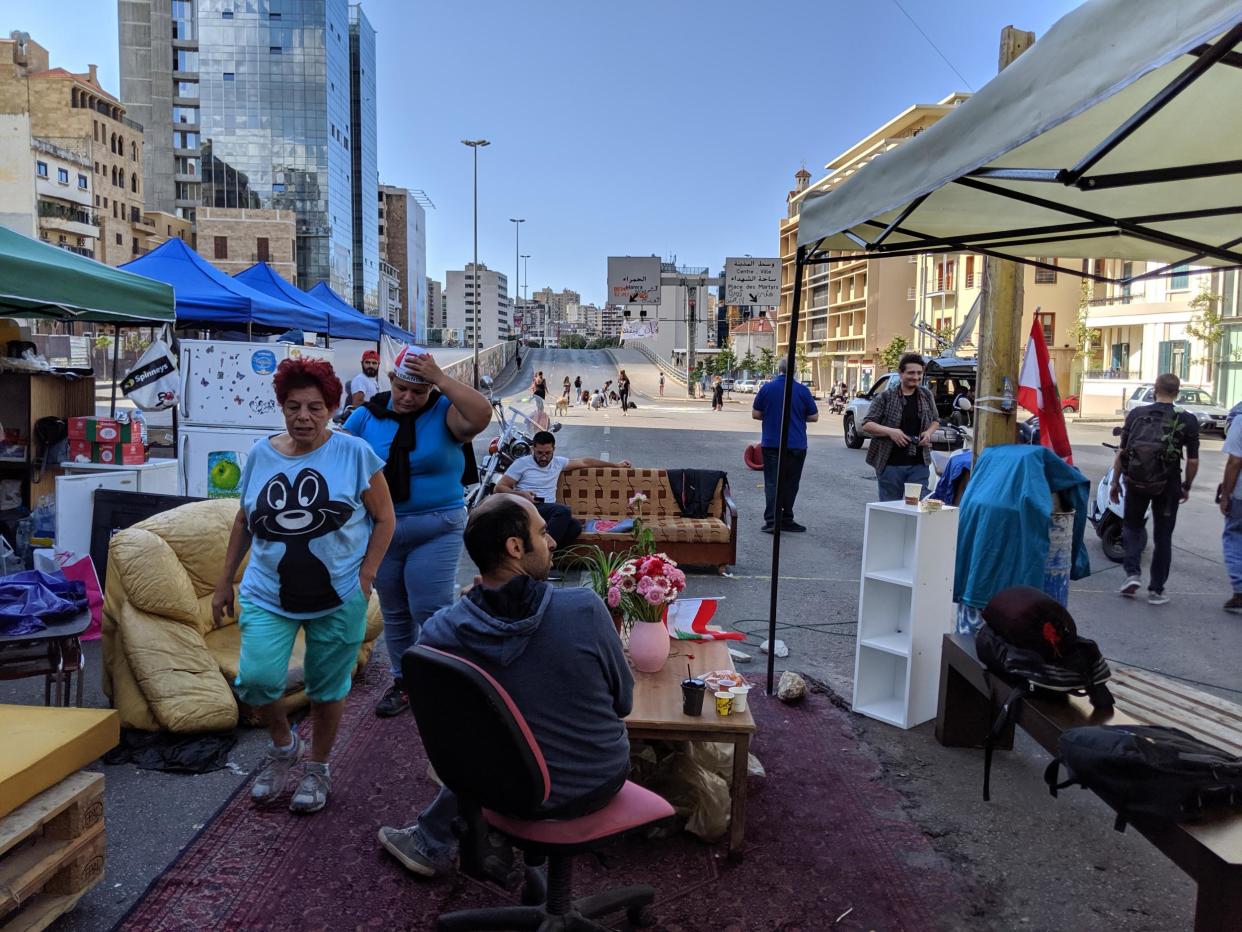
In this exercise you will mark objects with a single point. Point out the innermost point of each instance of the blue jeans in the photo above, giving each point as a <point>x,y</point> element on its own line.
<point>1231,540</point>
<point>434,829</point>
<point>892,480</point>
<point>418,575</point>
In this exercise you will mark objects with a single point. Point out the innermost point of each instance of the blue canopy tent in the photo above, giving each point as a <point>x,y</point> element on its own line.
<point>205,295</point>
<point>327,296</point>
<point>341,325</point>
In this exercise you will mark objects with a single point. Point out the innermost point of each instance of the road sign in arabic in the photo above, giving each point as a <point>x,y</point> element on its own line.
<point>753,281</point>
<point>634,279</point>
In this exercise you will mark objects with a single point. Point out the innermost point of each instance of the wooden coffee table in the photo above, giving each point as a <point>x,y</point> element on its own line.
<point>657,716</point>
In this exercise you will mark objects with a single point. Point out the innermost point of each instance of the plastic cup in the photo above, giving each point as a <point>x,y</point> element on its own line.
<point>724,703</point>
<point>913,490</point>
<point>739,697</point>
<point>692,693</point>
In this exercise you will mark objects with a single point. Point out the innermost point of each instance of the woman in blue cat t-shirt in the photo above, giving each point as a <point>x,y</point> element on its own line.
<point>418,429</point>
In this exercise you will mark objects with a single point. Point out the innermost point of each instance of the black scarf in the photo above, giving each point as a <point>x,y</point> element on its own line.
<point>397,468</point>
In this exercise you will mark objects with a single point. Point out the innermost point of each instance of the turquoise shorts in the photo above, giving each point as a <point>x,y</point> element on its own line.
<point>332,643</point>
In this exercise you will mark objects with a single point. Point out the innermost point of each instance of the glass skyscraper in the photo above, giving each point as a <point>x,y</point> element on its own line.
<point>365,164</point>
<point>250,103</point>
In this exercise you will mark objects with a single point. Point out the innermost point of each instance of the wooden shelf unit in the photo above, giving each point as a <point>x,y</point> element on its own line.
<point>24,399</point>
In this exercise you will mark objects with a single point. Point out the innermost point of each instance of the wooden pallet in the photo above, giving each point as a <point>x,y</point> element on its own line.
<point>51,852</point>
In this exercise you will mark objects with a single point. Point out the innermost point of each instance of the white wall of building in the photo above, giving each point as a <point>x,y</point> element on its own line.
<point>17,185</point>
<point>416,247</point>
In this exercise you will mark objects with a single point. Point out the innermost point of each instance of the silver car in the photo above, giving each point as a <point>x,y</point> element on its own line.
<point>1196,401</point>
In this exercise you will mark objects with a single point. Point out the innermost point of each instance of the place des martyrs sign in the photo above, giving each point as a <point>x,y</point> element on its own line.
<point>753,281</point>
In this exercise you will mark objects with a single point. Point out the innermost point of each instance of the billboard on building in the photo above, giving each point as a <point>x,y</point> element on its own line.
<point>634,279</point>
<point>638,329</point>
<point>753,281</point>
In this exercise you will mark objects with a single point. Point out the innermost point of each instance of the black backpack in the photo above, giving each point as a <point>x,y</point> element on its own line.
<point>1152,451</point>
<point>1148,770</point>
<point>1029,641</point>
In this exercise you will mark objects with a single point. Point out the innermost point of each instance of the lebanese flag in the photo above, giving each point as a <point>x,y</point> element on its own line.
<point>687,620</point>
<point>1037,392</point>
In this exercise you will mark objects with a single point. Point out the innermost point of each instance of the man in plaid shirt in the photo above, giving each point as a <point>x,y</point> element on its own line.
<point>900,423</point>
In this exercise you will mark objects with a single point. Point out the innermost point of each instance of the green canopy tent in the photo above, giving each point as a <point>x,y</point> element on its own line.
<point>43,281</point>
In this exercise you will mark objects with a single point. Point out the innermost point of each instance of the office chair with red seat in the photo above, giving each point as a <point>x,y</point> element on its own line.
<point>481,747</point>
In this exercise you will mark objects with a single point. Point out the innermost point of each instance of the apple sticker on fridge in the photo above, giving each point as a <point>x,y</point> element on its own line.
<point>263,362</point>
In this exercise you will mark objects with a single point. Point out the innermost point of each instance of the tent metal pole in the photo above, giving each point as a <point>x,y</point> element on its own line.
<point>778,514</point>
<point>116,361</point>
<point>899,219</point>
<point>1192,73</point>
<point>1160,272</point>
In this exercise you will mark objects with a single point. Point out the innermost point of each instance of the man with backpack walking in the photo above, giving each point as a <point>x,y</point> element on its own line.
<point>1153,442</point>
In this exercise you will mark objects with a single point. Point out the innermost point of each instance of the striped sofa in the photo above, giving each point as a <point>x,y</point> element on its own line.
<point>604,492</point>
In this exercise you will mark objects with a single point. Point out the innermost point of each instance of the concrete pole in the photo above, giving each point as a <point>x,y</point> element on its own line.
<point>691,309</point>
<point>1000,325</point>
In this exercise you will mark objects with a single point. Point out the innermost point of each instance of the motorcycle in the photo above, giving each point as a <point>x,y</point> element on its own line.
<point>515,440</point>
<point>836,404</point>
<point>1106,515</point>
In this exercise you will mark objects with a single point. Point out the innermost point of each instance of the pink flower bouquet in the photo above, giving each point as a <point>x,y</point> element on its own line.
<point>642,586</point>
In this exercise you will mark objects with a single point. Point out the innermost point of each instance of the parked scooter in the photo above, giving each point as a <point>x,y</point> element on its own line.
<point>515,440</point>
<point>1106,515</point>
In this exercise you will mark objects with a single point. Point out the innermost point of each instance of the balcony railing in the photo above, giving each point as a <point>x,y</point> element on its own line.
<point>1115,299</point>
<point>64,212</point>
<point>1110,374</point>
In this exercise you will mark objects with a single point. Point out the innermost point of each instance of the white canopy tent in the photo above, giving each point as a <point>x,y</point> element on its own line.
<point>1115,136</point>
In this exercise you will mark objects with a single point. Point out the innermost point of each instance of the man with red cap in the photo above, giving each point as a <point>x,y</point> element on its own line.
<point>366,383</point>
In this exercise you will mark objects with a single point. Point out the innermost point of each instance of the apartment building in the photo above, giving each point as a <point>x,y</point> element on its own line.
<point>62,177</point>
<point>1141,329</point>
<point>71,112</point>
<point>850,310</point>
<point>488,305</point>
<point>233,239</point>
<point>947,286</point>
<point>403,245</point>
<point>557,302</point>
<point>437,307</point>
<point>752,337</point>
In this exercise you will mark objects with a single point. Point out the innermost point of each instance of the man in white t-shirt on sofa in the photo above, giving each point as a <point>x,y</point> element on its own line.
<point>535,477</point>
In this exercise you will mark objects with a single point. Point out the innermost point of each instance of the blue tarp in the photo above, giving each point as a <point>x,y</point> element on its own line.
<point>341,325</point>
<point>324,293</point>
<point>206,295</point>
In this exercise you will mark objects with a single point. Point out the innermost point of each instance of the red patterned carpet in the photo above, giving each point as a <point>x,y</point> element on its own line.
<point>824,836</point>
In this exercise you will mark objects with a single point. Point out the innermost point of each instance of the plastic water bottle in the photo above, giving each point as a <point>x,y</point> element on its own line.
<point>140,421</point>
<point>21,539</point>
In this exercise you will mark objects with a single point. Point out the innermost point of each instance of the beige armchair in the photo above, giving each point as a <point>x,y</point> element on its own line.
<point>165,665</point>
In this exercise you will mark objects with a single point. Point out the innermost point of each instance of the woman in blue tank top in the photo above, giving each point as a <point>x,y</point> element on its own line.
<point>418,429</point>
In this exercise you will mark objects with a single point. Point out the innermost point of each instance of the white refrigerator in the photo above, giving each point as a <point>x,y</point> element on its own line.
<point>227,405</point>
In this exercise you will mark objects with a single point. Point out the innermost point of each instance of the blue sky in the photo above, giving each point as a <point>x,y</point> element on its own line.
<point>632,128</point>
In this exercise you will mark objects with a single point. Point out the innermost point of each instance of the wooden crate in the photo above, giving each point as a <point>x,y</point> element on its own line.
<point>51,852</point>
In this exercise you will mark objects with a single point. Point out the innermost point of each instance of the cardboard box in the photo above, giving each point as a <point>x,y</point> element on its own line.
<point>81,451</point>
<point>123,454</point>
<point>102,430</point>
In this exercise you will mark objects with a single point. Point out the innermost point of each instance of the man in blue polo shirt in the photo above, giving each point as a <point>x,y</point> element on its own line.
<point>767,408</point>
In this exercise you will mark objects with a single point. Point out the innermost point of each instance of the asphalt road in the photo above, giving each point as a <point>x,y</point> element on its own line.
<point>1027,860</point>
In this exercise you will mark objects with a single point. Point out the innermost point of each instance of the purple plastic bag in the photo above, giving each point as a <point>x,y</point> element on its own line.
<point>30,599</point>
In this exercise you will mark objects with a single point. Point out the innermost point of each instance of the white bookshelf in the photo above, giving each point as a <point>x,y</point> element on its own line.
<point>905,607</point>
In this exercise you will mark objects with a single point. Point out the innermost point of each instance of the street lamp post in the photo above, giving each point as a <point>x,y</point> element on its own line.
<point>525,274</point>
<point>475,144</point>
<point>517,252</point>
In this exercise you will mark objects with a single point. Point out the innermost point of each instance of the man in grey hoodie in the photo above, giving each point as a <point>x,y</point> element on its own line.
<point>555,651</point>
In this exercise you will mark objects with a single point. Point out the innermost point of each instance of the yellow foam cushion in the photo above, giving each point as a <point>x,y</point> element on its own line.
<point>43,745</point>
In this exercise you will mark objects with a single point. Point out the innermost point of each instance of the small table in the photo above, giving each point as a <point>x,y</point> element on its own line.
<point>54,653</point>
<point>657,716</point>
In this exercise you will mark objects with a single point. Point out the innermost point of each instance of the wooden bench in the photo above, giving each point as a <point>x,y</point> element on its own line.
<point>1210,852</point>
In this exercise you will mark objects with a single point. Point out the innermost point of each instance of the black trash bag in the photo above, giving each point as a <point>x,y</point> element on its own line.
<point>172,753</point>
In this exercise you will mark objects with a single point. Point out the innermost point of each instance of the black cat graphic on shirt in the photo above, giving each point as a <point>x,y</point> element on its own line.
<point>295,513</point>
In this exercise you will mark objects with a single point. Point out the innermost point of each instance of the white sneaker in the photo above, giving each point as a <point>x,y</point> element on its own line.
<point>1131,586</point>
<point>1157,598</point>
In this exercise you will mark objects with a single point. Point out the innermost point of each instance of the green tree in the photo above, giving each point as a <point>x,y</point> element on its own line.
<point>709,364</point>
<point>1207,327</point>
<point>767,362</point>
<point>891,354</point>
<point>726,362</point>
<point>573,341</point>
<point>749,363</point>
<point>803,362</point>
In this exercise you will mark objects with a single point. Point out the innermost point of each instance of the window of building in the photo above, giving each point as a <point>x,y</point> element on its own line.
<point>221,244</point>
<point>62,175</point>
<point>273,16</point>
<point>185,88</point>
<point>41,169</point>
<point>134,248</point>
<point>105,201</point>
<point>133,152</point>
<point>1047,323</point>
<point>96,200</point>
<point>260,249</point>
<point>185,60</point>
<point>184,140</point>
<point>185,114</point>
<point>970,271</point>
<point>1174,356</point>
<point>274,49</point>
<point>133,182</point>
<point>278,188</point>
<point>83,182</point>
<point>115,204</point>
<point>229,76</point>
<point>1045,276</point>
<point>95,129</point>
<point>226,14</point>
<point>120,240</point>
<point>1179,281</point>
